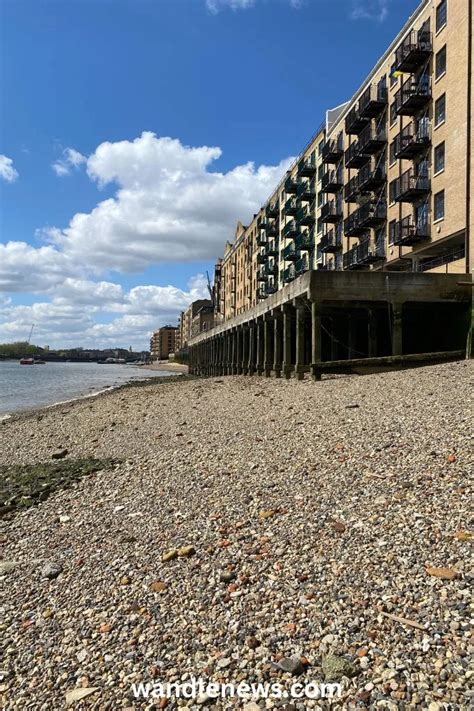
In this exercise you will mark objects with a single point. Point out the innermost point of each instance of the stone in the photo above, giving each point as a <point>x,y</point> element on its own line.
<point>335,667</point>
<point>64,519</point>
<point>51,570</point>
<point>227,576</point>
<point>186,551</point>
<point>78,694</point>
<point>291,665</point>
<point>158,586</point>
<point>170,555</point>
<point>125,580</point>
<point>6,566</point>
<point>60,454</point>
<point>224,662</point>
<point>81,656</point>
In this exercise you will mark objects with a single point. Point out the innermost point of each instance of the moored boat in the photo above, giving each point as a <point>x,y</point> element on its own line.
<point>27,361</point>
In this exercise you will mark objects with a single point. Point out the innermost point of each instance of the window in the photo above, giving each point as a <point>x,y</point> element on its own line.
<point>392,158</point>
<point>392,191</point>
<point>440,63</point>
<point>393,75</point>
<point>440,110</point>
<point>439,206</point>
<point>439,158</point>
<point>393,113</point>
<point>392,228</point>
<point>441,15</point>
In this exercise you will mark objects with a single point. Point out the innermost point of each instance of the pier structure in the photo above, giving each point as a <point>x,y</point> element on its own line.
<point>328,320</point>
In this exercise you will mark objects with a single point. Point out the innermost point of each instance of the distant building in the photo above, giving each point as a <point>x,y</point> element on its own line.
<point>199,315</point>
<point>163,342</point>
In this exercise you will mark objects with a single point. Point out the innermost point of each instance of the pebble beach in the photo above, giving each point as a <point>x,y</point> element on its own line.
<point>245,530</point>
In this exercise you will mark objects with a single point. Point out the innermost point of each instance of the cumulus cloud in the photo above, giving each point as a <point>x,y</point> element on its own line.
<point>75,315</point>
<point>7,171</point>
<point>71,160</point>
<point>215,6</point>
<point>370,10</point>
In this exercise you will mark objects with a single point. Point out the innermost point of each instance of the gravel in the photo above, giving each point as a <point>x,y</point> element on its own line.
<point>245,522</point>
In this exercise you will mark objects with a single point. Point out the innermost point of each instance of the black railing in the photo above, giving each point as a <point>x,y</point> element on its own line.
<point>305,240</point>
<point>291,185</point>
<point>271,248</point>
<point>413,139</point>
<point>373,100</point>
<point>372,139</point>
<point>306,190</point>
<point>333,150</point>
<point>331,211</point>
<point>332,241</point>
<point>305,215</point>
<point>442,260</point>
<point>351,189</point>
<point>302,265</point>
<point>290,229</point>
<point>354,122</point>
<point>289,274</point>
<point>332,181</point>
<point>369,215</point>
<point>272,209</point>
<point>414,51</point>
<point>370,178</point>
<point>272,228</point>
<point>409,187</point>
<point>290,253</point>
<point>409,231</point>
<point>306,167</point>
<point>412,96</point>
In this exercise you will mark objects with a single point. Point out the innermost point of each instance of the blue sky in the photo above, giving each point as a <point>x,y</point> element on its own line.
<point>106,225</point>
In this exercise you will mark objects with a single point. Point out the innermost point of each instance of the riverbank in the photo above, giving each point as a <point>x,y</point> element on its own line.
<point>313,516</point>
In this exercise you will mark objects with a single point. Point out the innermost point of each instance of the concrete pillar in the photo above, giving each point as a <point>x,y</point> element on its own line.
<point>277,343</point>
<point>287,365</point>
<point>351,338</point>
<point>299,359</point>
<point>267,347</point>
<point>238,354</point>
<point>251,363</point>
<point>259,352</point>
<point>397,340</point>
<point>315,339</point>
<point>333,340</point>
<point>245,349</point>
<point>372,334</point>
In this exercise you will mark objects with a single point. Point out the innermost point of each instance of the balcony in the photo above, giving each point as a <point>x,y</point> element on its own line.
<point>332,181</point>
<point>290,229</point>
<point>289,274</point>
<point>409,232</point>
<point>412,140</point>
<point>302,265</point>
<point>414,51</point>
<point>331,242</point>
<point>354,157</point>
<point>272,209</point>
<point>371,179</point>
<point>373,100</point>
<point>331,212</point>
<point>354,121</point>
<point>290,253</point>
<point>261,258</point>
<point>306,190</point>
<point>305,215</point>
<point>306,168</point>
<point>271,249</point>
<point>291,207</point>
<point>261,239</point>
<point>261,276</point>
<point>351,190</point>
<point>372,139</point>
<point>270,269</point>
<point>305,241</point>
<point>270,289</point>
<point>410,187</point>
<point>272,228</point>
<point>412,96</point>
<point>368,253</point>
<point>332,150</point>
<point>291,185</point>
<point>372,214</point>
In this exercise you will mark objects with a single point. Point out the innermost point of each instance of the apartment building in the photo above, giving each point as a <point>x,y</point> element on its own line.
<point>163,342</point>
<point>195,317</point>
<point>385,183</point>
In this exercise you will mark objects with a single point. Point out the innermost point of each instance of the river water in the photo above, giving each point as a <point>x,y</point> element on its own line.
<point>25,387</point>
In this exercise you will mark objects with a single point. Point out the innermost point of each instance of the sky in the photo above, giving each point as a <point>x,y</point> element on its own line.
<point>134,134</point>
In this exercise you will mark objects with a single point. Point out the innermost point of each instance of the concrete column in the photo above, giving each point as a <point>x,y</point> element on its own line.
<point>397,340</point>
<point>287,365</point>
<point>333,340</point>
<point>251,364</point>
<point>238,354</point>
<point>299,359</point>
<point>372,334</point>
<point>315,339</point>
<point>259,352</point>
<point>245,348</point>
<point>351,338</point>
<point>277,343</point>
<point>267,347</point>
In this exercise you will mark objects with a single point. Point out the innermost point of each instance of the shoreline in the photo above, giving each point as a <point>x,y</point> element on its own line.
<point>34,411</point>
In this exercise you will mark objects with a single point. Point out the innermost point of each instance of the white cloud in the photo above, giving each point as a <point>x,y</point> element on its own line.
<point>71,160</point>
<point>370,10</point>
<point>7,171</point>
<point>78,314</point>
<point>215,6</point>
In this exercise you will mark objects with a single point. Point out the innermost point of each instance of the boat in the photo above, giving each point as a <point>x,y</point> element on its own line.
<point>27,361</point>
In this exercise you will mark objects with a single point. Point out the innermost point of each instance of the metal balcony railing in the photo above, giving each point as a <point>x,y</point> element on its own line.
<point>372,139</point>
<point>271,248</point>
<point>332,241</point>
<point>290,229</point>
<point>306,190</point>
<point>409,231</point>
<point>272,209</point>
<point>414,51</point>
<point>413,139</point>
<point>305,241</point>
<point>373,101</point>
<point>302,265</point>
<point>370,178</point>
<point>290,253</point>
<point>305,215</point>
<point>410,187</point>
<point>413,96</point>
<point>306,167</point>
<point>291,185</point>
<point>351,189</point>
<point>372,214</point>
<point>333,150</point>
<point>332,181</point>
<point>289,274</point>
<point>332,211</point>
<point>354,122</point>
